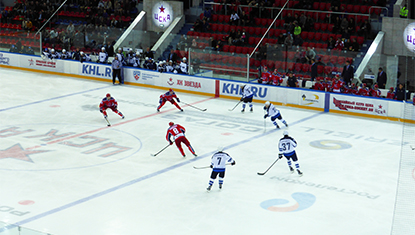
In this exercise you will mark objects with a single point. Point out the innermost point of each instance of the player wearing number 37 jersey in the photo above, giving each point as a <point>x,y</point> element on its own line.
<point>177,132</point>
<point>218,166</point>
<point>287,147</point>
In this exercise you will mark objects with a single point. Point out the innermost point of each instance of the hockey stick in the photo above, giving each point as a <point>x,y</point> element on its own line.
<point>235,105</point>
<point>263,173</point>
<point>194,107</point>
<point>265,123</point>
<point>160,151</point>
<point>109,124</point>
<point>204,167</point>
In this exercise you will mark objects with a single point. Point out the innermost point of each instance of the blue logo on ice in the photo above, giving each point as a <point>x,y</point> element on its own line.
<point>303,201</point>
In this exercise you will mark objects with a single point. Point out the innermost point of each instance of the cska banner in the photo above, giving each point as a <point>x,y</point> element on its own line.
<point>162,14</point>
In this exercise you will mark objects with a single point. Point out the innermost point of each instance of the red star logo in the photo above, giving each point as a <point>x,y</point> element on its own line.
<point>380,106</point>
<point>17,152</point>
<point>162,8</point>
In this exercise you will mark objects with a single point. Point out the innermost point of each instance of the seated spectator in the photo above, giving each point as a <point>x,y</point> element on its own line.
<point>231,36</point>
<point>351,26</point>
<point>354,45</point>
<point>344,24</point>
<point>331,43</point>
<point>205,26</point>
<point>365,29</point>
<point>197,26</point>
<point>194,44</point>
<point>288,42</point>
<point>207,14</point>
<point>281,39</point>
<point>309,24</point>
<point>298,41</point>
<point>219,46</point>
<point>212,43</point>
<point>234,18</point>
<point>339,44</point>
<point>292,80</point>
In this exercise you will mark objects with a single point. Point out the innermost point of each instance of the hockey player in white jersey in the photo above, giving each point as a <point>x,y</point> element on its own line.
<point>65,55</point>
<point>218,165</point>
<point>102,56</point>
<point>183,66</point>
<point>287,147</point>
<point>274,113</point>
<point>247,96</point>
<point>137,60</point>
<point>54,55</point>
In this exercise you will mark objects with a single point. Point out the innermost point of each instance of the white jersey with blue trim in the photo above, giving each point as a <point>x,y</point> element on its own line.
<point>287,145</point>
<point>220,159</point>
<point>272,110</point>
<point>247,91</point>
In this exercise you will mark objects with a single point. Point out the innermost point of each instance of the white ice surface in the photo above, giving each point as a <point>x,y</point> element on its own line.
<point>68,189</point>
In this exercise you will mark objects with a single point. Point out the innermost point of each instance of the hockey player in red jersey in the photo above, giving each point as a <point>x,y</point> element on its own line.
<point>177,132</point>
<point>109,103</point>
<point>364,91</point>
<point>391,94</point>
<point>276,78</point>
<point>375,92</point>
<point>265,76</point>
<point>169,96</point>
<point>337,84</point>
<point>318,86</point>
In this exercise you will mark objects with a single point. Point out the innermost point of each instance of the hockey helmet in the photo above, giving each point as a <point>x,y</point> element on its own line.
<point>63,51</point>
<point>363,84</point>
<point>285,133</point>
<point>171,123</point>
<point>267,103</point>
<point>103,48</point>
<point>171,90</point>
<point>108,95</point>
<point>81,52</point>
<point>184,59</point>
<point>53,50</point>
<point>391,88</point>
<point>376,86</point>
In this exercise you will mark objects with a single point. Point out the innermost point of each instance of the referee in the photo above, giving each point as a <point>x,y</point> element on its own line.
<point>116,71</point>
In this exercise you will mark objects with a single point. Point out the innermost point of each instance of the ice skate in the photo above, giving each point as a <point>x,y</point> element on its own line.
<point>209,188</point>
<point>243,110</point>
<point>300,173</point>
<point>181,110</point>
<point>195,154</point>
<point>220,186</point>
<point>291,169</point>
<point>276,126</point>
<point>252,109</point>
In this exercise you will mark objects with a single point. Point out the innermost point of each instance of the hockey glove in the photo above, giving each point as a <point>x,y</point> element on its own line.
<point>242,98</point>
<point>211,166</point>
<point>160,101</point>
<point>178,101</point>
<point>171,143</point>
<point>280,155</point>
<point>265,116</point>
<point>233,163</point>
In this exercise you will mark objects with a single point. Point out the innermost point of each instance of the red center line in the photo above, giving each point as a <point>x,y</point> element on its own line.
<point>118,124</point>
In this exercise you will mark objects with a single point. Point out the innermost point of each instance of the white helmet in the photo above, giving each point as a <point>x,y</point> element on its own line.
<point>103,48</point>
<point>81,52</point>
<point>137,53</point>
<point>267,103</point>
<point>285,133</point>
<point>53,50</point>
<point>64,51</point>
<point>184,58</point>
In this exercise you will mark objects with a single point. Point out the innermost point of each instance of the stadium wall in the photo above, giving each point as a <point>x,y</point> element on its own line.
<point>378,108</point>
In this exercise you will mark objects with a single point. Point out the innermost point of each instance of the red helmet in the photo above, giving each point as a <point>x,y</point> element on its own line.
<point>171,123</point>
<point>376,86</point>
<point>171,90</point>
<point>108,95</point>
<point>364,84</point>
<point>391,88</point>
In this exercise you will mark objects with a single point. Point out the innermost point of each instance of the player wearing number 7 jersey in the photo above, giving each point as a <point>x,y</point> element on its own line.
<point>286,146</point>
<point>218,166</point>
<point>177,132</point>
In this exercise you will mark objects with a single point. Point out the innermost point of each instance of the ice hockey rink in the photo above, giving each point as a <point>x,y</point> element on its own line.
<point>64,172</point>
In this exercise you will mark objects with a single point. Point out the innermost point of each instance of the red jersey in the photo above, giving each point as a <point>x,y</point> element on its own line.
<point>168,97</point>
<point>364,91</point>
<point>375,93</point>
<point>391,95</point>
<point>266,77</point>
<point>337,85</point>
<point>175,131</point>
<point>319,87</point>
<point>108,103</point>
<point>276,79</point>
